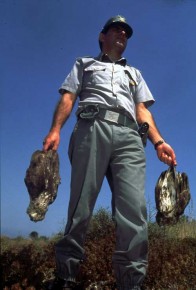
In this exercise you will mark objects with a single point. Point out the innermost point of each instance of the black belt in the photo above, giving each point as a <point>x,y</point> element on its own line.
<point>113,116</point>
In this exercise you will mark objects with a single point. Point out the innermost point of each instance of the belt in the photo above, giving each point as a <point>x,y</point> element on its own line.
<point>116,117</point>
<point>113,116</point>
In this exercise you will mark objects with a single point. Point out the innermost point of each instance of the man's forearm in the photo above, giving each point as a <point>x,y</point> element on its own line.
<point>164,151</point>
<point>62,111</point>
<point>144,115</point>
<point>61,114</point>
<point>154,135</point>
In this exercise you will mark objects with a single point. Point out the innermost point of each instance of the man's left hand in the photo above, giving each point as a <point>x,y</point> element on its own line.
<point>166,154</point>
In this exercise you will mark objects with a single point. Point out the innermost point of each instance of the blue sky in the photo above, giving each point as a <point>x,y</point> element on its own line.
<point>40,41</point>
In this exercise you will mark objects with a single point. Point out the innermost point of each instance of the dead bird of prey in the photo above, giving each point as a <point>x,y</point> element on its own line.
<point>42,180</point>
<point>172,195</point>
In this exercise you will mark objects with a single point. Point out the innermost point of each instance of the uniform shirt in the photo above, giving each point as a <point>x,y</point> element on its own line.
<point>112,84</point>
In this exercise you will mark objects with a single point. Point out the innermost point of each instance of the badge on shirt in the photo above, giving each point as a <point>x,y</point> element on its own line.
<point>132,82</point>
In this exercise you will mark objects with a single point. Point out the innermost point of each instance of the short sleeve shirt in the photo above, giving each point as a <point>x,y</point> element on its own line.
<point>112,84</point>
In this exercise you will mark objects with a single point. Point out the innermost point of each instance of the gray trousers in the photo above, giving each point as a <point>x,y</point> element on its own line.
<point>98,149</point>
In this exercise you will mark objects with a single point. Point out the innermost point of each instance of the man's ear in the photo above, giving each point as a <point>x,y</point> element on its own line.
<point>101,37</point>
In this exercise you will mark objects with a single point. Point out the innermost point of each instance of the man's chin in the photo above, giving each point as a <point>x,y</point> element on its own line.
<point>121,46</point>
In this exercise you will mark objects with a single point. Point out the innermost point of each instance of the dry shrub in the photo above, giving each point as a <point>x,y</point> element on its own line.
<point>171,264</point>
<point>26,266</point>
<point>172,260</point>
<point>98,267</point>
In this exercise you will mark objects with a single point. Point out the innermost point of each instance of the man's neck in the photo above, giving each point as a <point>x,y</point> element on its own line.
<point>113,56</point>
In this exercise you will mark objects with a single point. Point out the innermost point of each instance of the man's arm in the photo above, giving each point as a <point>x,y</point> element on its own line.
<point>61,114</point>
<point>164,151</point>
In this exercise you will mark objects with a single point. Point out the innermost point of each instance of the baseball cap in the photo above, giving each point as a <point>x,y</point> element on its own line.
<point>118,20</point>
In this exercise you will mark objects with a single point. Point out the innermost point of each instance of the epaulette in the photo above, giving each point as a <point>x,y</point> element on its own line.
<point>84,57</point>
<point>134,68</point>
<point>86,60</point>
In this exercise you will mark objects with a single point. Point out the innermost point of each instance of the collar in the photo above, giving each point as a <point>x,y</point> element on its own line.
<point>105,58</point>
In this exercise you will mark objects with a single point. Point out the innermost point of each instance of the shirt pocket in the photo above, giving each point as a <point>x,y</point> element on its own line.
<point>96,75</point>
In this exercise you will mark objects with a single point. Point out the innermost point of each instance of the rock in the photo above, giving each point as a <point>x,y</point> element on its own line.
<point>42,180</point>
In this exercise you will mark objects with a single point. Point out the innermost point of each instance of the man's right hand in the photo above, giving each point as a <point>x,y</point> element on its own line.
<point>52,140</point>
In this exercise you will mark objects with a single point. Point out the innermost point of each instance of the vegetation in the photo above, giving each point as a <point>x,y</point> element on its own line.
<point>27,263</point>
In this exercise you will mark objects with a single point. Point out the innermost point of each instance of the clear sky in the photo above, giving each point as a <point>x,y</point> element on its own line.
<point>40,41</point>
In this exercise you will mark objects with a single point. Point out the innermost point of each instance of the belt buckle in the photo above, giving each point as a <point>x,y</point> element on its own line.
<point>111,116</point>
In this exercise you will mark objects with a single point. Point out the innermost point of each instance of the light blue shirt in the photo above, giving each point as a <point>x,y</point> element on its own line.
<point>100,81</point>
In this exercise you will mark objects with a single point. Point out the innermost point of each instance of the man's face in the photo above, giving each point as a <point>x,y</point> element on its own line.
<point>115,38</point>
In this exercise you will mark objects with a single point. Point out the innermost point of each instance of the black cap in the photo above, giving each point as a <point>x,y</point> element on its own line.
<point>118,20</point>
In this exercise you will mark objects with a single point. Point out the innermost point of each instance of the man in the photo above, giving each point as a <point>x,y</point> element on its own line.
<point>114,100</point>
